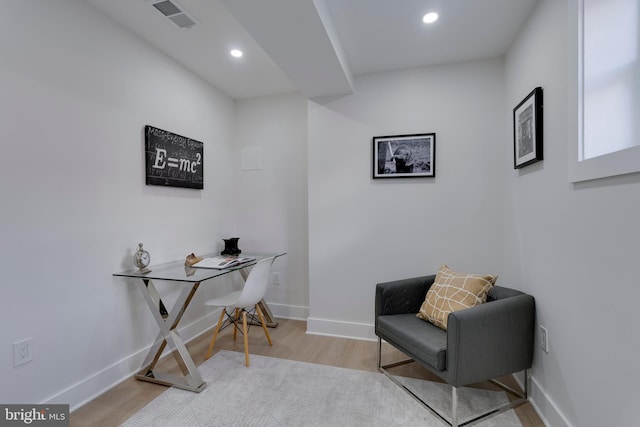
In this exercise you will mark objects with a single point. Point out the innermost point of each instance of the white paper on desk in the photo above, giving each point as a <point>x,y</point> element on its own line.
<point>222,262</point>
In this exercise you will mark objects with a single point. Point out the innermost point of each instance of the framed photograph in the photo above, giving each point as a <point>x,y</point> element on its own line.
<point>527,130</point>
<point>404,156</point>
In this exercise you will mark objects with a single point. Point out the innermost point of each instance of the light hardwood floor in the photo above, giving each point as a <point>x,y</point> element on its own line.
<point>290,341</point>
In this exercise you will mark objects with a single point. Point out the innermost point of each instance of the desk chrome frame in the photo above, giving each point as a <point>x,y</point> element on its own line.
<point>191,379</point>
<point>168,321</point>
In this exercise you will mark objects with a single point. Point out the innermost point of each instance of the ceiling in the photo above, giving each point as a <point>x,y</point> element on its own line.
<point>318,46</point>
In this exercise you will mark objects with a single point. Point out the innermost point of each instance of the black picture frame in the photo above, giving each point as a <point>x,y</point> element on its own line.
<point>404,156</point>
<point>527,130</point>
<point>173,160</point>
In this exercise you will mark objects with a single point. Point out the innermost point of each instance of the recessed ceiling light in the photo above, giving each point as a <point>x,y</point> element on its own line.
<point>430,18</point>
<point>236,53</point>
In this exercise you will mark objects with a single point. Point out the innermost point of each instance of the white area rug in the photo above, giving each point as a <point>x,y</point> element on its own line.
<point>282,393</point>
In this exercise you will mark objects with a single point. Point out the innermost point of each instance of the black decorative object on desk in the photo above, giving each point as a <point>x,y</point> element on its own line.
<point>231,246</point>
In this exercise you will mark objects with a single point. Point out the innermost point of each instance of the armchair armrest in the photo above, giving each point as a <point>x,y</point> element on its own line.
<point>402,296</point>
<point>490,340</point>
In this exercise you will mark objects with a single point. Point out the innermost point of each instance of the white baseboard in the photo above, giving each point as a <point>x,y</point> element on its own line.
<point>332,328</point>
<point>295,312</point>
<point>95,385</point>
<point>547,410</point>
<point>88,389</point>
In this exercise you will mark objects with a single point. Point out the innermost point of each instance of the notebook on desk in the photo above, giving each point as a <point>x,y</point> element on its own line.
<point>221,262</point>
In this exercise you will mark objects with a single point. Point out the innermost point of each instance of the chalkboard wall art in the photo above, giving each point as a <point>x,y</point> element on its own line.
<point>172,160</point>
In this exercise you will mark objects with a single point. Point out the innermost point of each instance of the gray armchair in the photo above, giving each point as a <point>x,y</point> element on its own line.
<point>481,343</point>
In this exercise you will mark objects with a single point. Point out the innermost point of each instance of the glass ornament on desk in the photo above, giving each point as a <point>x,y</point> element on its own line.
<point>231,246</point>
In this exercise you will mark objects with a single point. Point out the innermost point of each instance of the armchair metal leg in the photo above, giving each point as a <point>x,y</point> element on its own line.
<point>454,406</point>
<point>455,422</point>
<point>383,368</point>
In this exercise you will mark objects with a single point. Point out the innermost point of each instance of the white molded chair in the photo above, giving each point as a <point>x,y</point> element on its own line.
<point>245,300</point>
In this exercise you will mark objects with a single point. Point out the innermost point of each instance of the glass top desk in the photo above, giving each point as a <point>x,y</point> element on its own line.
<point>168,320</point>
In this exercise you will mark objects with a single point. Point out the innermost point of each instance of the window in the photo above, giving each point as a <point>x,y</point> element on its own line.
<point>606,89</point>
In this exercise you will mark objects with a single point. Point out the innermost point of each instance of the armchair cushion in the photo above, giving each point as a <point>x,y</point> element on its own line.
<point>451,292</point>
<point>429,345</point>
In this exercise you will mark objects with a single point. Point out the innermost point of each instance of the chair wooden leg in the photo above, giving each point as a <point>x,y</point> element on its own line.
<point>215,335</point>
<point>235,329</point>
<point>262,322</point>
<point>246,337</point>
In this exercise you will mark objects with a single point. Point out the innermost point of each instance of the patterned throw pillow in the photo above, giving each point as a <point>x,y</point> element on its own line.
<point>451,292</point>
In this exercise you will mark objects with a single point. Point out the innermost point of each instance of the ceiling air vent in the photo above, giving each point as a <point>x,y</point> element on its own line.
<point>175,13</point>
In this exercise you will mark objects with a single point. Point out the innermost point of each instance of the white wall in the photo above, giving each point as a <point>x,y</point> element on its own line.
<point>574,247</point>
<point>76,87</point>
<point>272,206</point>
<point>364,231</point>
<point>77,91</point>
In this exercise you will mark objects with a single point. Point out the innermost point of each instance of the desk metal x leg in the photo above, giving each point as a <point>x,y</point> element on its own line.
<point>168,323</point>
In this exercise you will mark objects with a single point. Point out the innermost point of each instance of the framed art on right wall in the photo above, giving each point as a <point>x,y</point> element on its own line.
<point>527,130</point>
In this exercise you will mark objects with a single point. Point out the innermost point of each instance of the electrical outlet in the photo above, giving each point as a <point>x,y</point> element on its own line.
<point>22,352</point>
<point>276,278</point>
<point>544,339</point>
